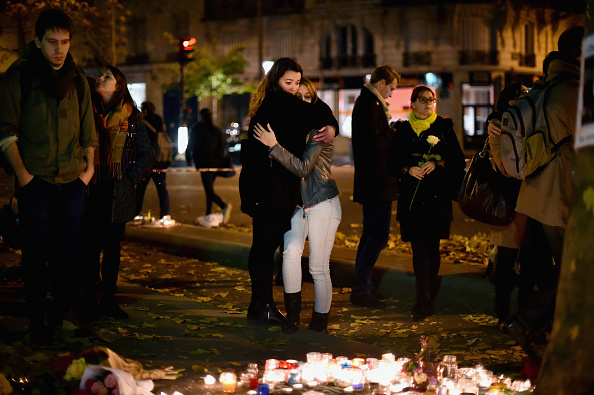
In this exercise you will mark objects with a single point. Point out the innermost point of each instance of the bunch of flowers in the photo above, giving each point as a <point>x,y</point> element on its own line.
<point>416,367</point>
<point>101,386</point>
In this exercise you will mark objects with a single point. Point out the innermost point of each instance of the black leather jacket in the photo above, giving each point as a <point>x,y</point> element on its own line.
<point>317,184</point>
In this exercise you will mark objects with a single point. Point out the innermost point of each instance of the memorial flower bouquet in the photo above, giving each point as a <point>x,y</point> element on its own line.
<point>421,366</point>
<point>432,140</point>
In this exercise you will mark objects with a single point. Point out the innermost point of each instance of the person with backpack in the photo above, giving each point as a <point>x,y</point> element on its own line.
<point>509,238</point>
<point>206,147</point>
<point>154,125</point>
<point>48,137</point>
<point>545,194</point>
<point>123,157</point>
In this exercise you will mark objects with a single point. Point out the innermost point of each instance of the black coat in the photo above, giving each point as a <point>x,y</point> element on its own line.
<point>206,145</point>
<point>430,214</point>
<point>268,190</point>
<point>371,136</point>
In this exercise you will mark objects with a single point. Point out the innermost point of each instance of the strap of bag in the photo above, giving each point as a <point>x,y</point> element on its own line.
<point>148,125</point>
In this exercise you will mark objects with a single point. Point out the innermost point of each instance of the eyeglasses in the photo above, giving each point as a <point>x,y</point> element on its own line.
<point>424,100</point>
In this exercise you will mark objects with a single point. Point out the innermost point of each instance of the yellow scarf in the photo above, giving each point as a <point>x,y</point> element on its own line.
<point>112,129</point>
<point>418,125</point>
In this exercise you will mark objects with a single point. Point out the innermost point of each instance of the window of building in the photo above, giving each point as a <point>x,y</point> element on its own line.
<point>477,105</point>
<point>283,43</point>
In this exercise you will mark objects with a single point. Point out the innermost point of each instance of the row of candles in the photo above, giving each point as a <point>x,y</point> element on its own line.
<point>387,375</point>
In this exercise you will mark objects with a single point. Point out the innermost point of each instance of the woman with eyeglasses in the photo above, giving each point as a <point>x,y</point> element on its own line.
<point>426,157</point>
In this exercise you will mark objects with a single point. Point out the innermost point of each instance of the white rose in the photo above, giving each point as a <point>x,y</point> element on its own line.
<point>432,140</point>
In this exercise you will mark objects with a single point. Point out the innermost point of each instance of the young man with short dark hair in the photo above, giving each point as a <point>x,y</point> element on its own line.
<point>48,137</point>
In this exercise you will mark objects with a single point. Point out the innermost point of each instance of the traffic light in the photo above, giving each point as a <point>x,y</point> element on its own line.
<point>447,83</point>
<point>185,49</point>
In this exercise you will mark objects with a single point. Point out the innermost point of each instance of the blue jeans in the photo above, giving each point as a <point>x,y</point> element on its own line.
<point>376,232</point>
<point>159,179</point>
<point>318,224</point>
<point>50,217</point>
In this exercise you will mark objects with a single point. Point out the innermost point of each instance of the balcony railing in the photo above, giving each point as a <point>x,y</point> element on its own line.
<point>525,59</point>
<point>419,58</point>
<point>490,58</point>
<point>347,61</point>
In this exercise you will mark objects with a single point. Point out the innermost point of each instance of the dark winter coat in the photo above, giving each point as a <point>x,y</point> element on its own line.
<point>137,158</point>
<point>431,212</point>
<point>206,146</point>
<point>371,136</point>
<point>268,190</point>
<point>52,127</point>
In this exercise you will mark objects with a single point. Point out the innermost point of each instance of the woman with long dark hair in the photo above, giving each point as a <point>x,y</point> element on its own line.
<point>122,159</point>
<point>270,192</point>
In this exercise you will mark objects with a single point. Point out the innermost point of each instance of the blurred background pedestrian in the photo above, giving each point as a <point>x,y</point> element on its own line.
<point>206,147</point>
<point>154,125</point>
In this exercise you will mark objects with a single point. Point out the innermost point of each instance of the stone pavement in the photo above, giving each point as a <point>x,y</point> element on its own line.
<point>231,248</point>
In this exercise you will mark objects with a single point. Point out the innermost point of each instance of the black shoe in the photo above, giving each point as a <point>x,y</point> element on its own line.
<point>267,314</point>
<point>521,335</point>
<point>367,300</point>
<point>112,309</point>
<point>381,296</point>
<point>422,310</point>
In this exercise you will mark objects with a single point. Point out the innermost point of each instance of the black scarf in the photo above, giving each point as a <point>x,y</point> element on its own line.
<point>55,83</point>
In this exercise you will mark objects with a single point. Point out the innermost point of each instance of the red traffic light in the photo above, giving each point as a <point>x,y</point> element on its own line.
<point>187,44</point>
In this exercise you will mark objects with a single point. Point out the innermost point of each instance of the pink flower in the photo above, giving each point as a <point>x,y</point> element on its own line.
<point>111,381</point>
<point>98,388</point>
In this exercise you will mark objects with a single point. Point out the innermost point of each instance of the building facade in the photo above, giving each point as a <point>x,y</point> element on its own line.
<point>467,50</point>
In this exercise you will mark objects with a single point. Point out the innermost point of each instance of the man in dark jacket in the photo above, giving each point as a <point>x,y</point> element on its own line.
<point>48,136</point>
<point>374,187</point>
<point>207,148</point>
<point>154,125</point>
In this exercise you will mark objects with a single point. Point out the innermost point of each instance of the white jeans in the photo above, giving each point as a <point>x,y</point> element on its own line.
<point>319,225</point>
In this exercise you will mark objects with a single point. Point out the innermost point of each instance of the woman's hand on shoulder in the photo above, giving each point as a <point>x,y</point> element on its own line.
<point>268,138</point>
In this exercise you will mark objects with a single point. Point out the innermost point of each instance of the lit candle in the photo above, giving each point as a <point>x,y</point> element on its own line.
<point>228,381</point>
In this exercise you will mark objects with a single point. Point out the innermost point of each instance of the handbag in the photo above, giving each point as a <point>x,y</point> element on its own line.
<point>226,164</point>
<point>487,195</point>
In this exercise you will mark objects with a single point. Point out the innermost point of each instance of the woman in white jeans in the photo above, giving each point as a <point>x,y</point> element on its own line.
<point>316,219</point>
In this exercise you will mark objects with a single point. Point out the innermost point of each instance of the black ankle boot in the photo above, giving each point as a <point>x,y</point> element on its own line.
<point>266,313</point>
<point>293,307</point>
<point>319,322</point>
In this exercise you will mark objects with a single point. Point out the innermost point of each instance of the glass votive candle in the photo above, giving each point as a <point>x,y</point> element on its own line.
<point>228,381</point>
<point>358,362</point>
<point>313,357</point>
<point>272,364</point>
<point>389,357</point>
<point>372,363</point>
<point>263,389</point>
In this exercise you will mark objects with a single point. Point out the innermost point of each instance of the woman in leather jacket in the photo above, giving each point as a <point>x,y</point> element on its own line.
<point>269,192</point>
<point>317,217</point>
